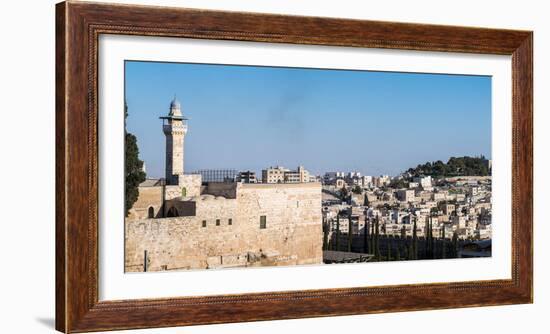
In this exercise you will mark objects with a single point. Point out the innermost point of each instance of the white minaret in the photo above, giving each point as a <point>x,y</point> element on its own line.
<point>174,127</point>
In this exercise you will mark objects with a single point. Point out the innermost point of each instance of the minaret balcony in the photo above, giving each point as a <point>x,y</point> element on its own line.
<point>171,128</point>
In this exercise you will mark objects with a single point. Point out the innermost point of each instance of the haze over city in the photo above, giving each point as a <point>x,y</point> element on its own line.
<point>250,118</point>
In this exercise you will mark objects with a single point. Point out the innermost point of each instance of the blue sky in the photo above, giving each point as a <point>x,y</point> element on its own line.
<point>249,117</point>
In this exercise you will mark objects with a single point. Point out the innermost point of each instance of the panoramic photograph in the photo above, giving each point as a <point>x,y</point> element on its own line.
<point>232,166</point>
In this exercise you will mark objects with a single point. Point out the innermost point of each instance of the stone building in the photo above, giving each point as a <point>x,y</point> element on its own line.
<point>183,223</point>
<point>405,195</point>
<point>174,127</point>
<point>284,175</point>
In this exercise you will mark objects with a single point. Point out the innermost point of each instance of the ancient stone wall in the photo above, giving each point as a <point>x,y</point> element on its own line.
<point>226,232</point>
<point>171,192</point>
<point>225,189</point>
<point>149,197</point>
<point>191,183</point>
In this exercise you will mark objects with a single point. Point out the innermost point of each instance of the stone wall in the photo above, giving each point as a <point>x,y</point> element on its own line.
<point>175,137</point>
<point>225,189</point>
<point>191,183</point>
<point>171,192</point>
<point>148,197</point>
<point>153,196</point>
<point>225,232</point>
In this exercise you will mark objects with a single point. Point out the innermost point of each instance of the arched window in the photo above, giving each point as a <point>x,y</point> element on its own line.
<point>151,212</point>
<point>173,212</point>
<point>183,192</point>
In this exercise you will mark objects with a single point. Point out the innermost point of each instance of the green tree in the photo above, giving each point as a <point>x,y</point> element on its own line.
<point>344,194</point>
<point>377,238</point>
<point>456,166</point>
<point>432,242</point>
<point>410,251</point>
<point>414,242</point>
<point>350,230</point>
<point>399,183</point>
<point>427,241</point>
<point>444,244</point>
<point>398,254</point>
<point>356,189</point>
<point>403,232</point>
<point>337,243</point>
<point>455,244</point>
<point>326,226</point>
<point>366,235</point>
<point>133,168</point>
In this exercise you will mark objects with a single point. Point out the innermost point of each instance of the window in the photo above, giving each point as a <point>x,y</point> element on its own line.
<point>230,221</point>
<point>173,212</point>
<point>151,212</point>
<point>217,222</point>
<point>183,192</point>
<point>204,223</point>
<point>263,222</point>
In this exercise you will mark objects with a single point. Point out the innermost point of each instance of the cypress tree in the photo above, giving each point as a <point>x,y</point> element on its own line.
<point>350,230</point>
<point>432,241</point>
<point>377,238</point>
<point>337,243</point>
<point>455,244</point>
<point>372,239</point>
<point>388,250</point>
<point>414,242</point>
<point>444,245</point>
<point>366,235</point>
<point>398,254</point>
<point>326,227</point>
<point>427,242</point>
<point>133,167</point>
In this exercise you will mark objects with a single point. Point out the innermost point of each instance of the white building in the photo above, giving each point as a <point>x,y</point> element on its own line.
<point>382,180</point>
<point>405,195</point>
<point>331,177</point>
<point>424,181</point>
<point>284,175</point>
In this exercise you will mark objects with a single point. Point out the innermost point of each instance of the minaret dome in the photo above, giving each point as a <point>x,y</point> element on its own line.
<point>175,107</point>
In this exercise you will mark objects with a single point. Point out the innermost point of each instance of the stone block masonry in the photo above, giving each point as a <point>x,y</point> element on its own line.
<point>264,225</point>
<point>150,199</point>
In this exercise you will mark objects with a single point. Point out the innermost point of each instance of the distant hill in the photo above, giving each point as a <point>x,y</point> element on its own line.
<point>456,166</point>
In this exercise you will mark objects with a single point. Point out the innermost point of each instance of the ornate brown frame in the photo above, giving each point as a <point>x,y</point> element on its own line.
<point>78,25</point>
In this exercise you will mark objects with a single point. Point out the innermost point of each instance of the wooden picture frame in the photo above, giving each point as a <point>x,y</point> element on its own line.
<point>78,26</point>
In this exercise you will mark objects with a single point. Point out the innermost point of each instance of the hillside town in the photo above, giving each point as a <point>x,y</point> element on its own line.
<point>223,218</point>
<point>409,216</point>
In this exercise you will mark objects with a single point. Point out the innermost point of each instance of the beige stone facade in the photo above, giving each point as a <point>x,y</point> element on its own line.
<point>174,129</point>
<point>249,225</point>
<point>150,200</point>
<point>179,223</point>
<point>284,175</point>
<point>190,185</point>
